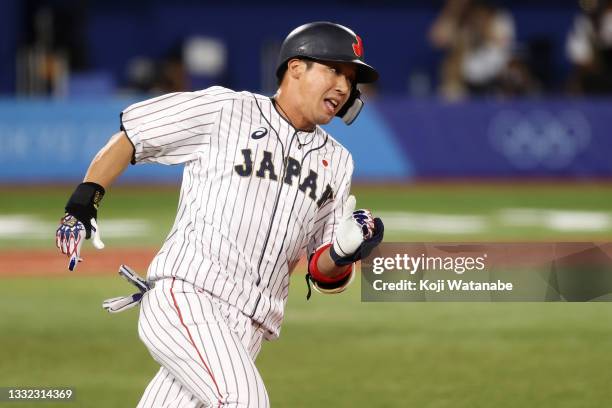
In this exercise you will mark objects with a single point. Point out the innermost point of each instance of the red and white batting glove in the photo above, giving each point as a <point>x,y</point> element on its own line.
<point>70,235</point>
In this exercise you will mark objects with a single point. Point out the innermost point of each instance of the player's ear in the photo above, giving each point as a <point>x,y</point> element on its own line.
<point>296,67</point>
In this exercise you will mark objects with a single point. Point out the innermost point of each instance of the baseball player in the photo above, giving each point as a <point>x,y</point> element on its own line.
<point>262,184</point>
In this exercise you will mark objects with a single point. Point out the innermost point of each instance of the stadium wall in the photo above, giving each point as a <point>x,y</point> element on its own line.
<point>394,139</point>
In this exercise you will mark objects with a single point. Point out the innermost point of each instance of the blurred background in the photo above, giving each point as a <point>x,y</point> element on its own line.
<point>468,88</point>
<point>491,122</point>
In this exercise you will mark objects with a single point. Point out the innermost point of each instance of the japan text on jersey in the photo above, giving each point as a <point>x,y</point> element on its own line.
<point>256,193</point>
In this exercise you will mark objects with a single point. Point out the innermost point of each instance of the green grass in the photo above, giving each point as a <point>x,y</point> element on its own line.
<point>334,350</point>
<point>54,333</point>
<point>157,206</point>
<point>160,202</point>
<point>440,355</point>
<point>486,200</point>
<point>476,198</point>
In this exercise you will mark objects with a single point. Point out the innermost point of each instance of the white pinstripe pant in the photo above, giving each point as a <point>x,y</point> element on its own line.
<point>206,349</point>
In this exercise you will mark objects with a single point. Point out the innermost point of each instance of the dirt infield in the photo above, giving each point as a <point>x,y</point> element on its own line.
<point>17,263</point>
<point>21,263</point>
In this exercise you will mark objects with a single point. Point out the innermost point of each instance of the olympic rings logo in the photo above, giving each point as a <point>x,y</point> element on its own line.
<point>539,139</point>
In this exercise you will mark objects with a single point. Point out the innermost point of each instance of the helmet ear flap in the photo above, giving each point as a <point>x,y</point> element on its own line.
<point>352,107</point>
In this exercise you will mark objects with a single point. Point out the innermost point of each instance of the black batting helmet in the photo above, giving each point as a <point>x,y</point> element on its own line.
<point>324,41</point>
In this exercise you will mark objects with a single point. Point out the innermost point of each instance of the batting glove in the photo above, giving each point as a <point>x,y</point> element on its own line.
<point>70,235</point>
<point>121,303</point>
<point>356,236</point>
<point>79,223</point>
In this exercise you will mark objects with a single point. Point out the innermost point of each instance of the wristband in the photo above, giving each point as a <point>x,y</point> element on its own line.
<point>316,274</point>
<point>342,260</point>
<point>84,202</point>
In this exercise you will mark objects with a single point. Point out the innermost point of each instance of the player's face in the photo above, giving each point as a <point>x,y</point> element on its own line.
<point>325,89</point>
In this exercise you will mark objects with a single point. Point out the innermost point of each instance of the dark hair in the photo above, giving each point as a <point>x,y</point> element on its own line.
<point>308,62</point>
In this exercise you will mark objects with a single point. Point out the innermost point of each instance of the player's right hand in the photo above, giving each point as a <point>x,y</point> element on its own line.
<point>70,235</point>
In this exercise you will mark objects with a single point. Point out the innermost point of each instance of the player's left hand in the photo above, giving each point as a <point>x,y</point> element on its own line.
<point>70,235</point>
<point>357,234</point>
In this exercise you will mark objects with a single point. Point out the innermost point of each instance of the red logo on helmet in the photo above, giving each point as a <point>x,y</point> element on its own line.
<point>358,48</point>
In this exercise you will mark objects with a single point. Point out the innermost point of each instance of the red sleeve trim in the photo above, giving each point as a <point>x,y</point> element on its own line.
<point>316,273</point>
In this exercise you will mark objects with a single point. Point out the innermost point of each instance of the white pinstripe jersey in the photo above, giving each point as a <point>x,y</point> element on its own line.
<point>255,193</point>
